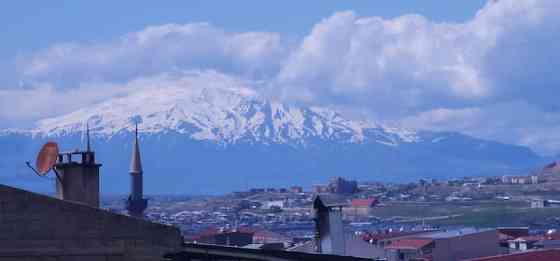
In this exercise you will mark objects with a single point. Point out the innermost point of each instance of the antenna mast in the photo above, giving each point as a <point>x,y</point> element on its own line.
<point>88,148</point>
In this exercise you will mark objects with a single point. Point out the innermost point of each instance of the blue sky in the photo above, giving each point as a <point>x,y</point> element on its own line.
<point>487,69</point>
<point>30,25</point>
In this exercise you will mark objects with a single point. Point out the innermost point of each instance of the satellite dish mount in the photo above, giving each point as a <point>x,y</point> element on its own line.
<point>46,160</point>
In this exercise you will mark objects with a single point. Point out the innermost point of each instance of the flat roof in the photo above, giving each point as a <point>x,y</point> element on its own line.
<point>453,233</point>
<point>537,255</point>
<point>204,251</point>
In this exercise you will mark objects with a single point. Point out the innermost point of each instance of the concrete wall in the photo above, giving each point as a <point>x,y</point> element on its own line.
<point>80,183</point>
<point>331,231</point>
<point>33,225</point>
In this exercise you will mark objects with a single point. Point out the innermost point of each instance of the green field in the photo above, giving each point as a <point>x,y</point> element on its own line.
<point>503,216</point>
<point>477,214</point>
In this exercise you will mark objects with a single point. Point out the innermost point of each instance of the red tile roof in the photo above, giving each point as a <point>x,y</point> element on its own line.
<point>364,202</point>
<point>540,255</point>
<point>409,243</point>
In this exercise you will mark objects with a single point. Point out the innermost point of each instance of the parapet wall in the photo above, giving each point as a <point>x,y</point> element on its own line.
<point>34,224</point>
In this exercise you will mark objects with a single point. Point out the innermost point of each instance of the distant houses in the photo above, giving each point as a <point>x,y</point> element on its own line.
<point>361,207</point>
<point>520,180</point>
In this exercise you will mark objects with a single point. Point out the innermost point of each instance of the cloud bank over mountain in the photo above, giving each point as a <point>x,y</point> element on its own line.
<point>492,76</point>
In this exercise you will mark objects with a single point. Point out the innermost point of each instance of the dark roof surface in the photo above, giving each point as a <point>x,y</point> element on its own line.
<point>328,200</point>
<point>215,251</point>
<point>540,255</point>
<point>389,235</point>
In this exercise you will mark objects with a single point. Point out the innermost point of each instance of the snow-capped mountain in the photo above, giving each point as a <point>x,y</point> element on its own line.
<point>220,115</point>
<point>225,138</point>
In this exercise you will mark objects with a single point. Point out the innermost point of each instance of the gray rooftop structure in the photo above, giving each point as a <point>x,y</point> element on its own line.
<point>453,233</point>
<point>215,252</point>
<point>329,201</point>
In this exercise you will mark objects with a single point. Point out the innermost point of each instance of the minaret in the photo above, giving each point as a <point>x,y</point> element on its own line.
<point>136,204</point>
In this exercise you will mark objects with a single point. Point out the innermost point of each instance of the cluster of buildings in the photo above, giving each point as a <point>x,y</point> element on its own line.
<point>338,185</point>
<point>258,224</point>
<point>548,174</point>
<point>520,180</point>
<point>332,239</point>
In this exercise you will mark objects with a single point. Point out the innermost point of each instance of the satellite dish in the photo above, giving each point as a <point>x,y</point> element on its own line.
<point>47,158</point>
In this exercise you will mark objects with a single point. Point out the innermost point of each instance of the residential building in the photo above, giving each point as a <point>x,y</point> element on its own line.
<point>451,245</point>
<point>361,207</point>
<point>520,180</point>
<point>410,249</point>
<point>340,185</point>
<point>296,189</point>
<point>275,203</point>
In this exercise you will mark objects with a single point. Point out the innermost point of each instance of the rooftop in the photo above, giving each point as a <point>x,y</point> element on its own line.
<point>204,251</point>
<point>328,201</point>
<point>364,202</point>
<point>454,233</point>
<point>409,243</point>
<point>389,235</point>
<point>540,255</point>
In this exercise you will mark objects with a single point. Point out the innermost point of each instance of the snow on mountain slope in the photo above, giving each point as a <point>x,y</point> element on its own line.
<point>260,143</point>
<point>221,114</point>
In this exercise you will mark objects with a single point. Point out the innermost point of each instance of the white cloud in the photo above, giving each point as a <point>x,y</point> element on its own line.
<point>515,122</point>
<point>43,100</point>
<point>154,50</point>
<point>18,107</point>
<point>409,64</point>
<point>401,65</point>
<point>492,76</point>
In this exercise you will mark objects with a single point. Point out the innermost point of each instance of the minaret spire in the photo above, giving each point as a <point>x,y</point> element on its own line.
<point>136,163</point>
<point>136,203</point>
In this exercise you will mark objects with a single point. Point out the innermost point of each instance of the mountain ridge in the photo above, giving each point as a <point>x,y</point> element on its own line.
<point>203,140</point>
<point>221,115</point>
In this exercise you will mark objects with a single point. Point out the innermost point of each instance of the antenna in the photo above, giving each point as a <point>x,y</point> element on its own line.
<point>88,148</point>
<point>46,159</point>
<point>136,130</point>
